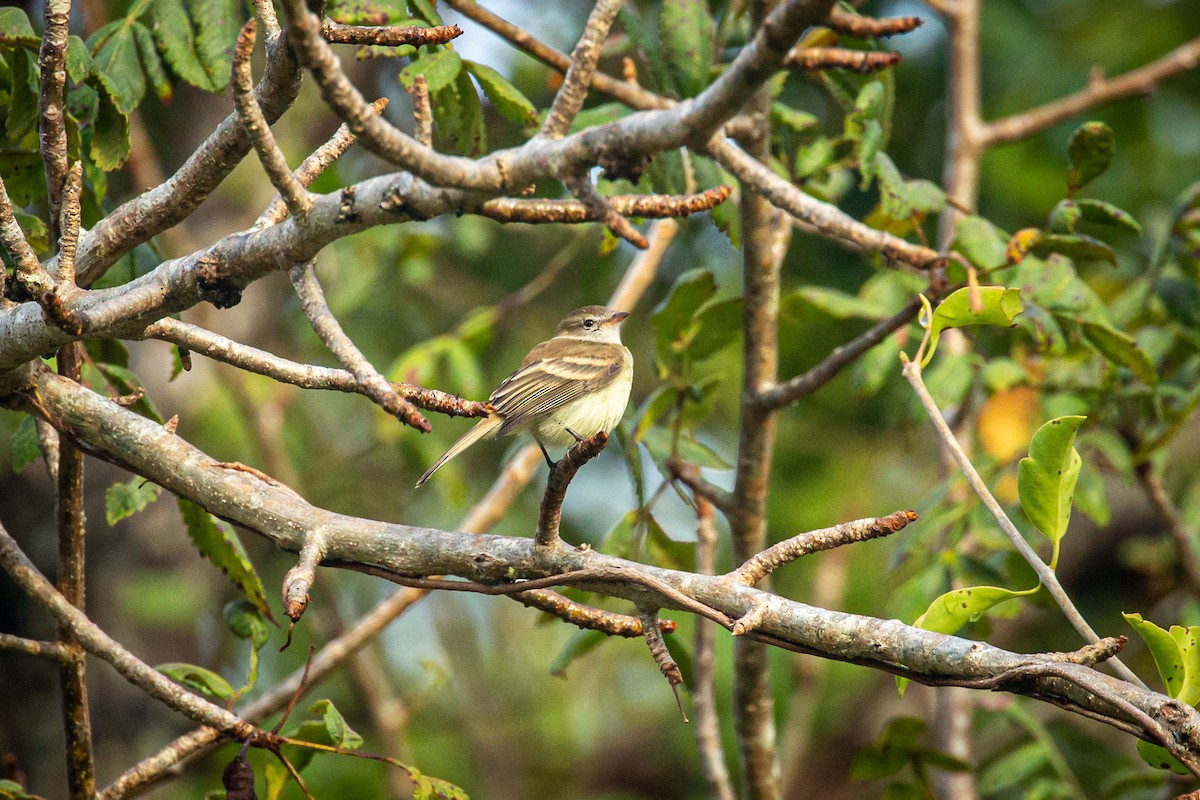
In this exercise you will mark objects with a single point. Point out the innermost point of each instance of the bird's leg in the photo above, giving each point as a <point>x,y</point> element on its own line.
<point>578,438</point>
<point>549,461</point>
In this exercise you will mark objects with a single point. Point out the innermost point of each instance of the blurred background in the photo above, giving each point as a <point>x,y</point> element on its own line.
<point>481,691</point>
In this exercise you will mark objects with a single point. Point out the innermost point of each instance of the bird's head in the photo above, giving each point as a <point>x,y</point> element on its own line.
<point>597,323</point>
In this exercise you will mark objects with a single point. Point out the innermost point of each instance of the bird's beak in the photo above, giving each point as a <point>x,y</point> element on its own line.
<point>616,318</point>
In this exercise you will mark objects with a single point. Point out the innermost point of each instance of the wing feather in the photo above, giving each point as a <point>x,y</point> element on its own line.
<point>547,382</point>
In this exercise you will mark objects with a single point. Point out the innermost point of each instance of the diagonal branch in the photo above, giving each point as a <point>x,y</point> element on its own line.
<point>584,58</point>
<point>556,487</point>
<point>599,208</point>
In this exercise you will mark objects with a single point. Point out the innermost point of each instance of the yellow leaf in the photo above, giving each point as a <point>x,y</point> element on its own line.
<point>1006,422</point>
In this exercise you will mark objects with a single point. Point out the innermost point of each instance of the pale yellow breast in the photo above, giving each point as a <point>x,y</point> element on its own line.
<point>596,411</point>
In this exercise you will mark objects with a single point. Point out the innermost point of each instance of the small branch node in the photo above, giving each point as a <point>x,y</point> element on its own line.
<point>1092,654</point>
<point>752,618</point>
<point>298,582</point>
<point>59,312</point>
<point>560,478</point>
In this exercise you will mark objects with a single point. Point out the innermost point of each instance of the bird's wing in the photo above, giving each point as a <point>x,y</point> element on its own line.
<point>544,384</point>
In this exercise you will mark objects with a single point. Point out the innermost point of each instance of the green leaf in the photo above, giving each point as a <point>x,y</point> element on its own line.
<point>124,381</point>
<point>1091,151</point>
<point>685,28</point>
<point>658,442</point>
<point>1160,757</point>
<point>24,175</point>
<point>341,734</point>
<point>1076,246</point>
<point>667,552</point>
<point>1188,642</point>
<point>793,119</point>
<point>813,157</point>
<point>954,609</point>
<point>1181,298</point>
<point>1012,769</point>
<point>426,10</point>
<point>1091,497</point>
<point>126,499</point>
<point>218,23</point>
<point>1046,477</point>
<point>217,542</point>
<point>672,318</point>
<point>110,135</point>
<point>198,679</point>
<point>11,790</point>
<point>115,59</point>
<point>718,324</point>
<point>841,305</point>
<point>246,621</point>
<point>580,643</point>
<point>35,231</point>
<point>1107,214</point>
<point>999,307</point>
<point>176,37</point>
<point>439,68</point>
<point>506,98</point>
<point>23,103</point>
<point>16,29</point>
<point>469,132</point>
<point>79,59</point>
<point>1120,348</point>
<point>1165,650</point>
<point>1064,217</point>
<point>25,448</point>
<point>152,63</point>
<point>981,242</point>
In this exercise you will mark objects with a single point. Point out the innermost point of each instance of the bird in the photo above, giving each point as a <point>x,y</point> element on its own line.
<point>571,386</point>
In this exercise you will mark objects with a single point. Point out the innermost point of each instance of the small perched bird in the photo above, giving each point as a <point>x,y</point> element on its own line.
<point>569,387</point>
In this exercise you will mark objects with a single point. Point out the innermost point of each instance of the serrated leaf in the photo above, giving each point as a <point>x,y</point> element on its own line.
<point>505,97</point>
<point>685,28</point>
<point>1076,246</point>
<point>1107,214</point>
<point>341,734</point>
<point>580,643</point>
<point>1091,151</point>
<point>23,96</point>
<point>110,134</point>
<point>25,448</point>
<point>440,68</point>
<point>218,23</point>
<point>999,307</point>
<point>217,542</point>
<point>981,242</point>
<point>116,65</point>
<point>1120,348</point>
<point>953,610</point>
<point>641,36</point>
<point>15,28</point>
<point>198,679</point>
<point>152,63</point>
<point>79,59</point>
<point>1046,477</point>
<point>176,37</point>
<point>123,500</point>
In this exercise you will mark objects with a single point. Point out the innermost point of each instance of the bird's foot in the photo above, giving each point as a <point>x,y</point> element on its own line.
<point>578,438</point>
<point>551,463</point>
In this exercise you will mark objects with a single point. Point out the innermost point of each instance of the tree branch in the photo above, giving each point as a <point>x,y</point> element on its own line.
<point>584,58</point>
<point>556,486</point>
<point>649,206</point>
<point>52,127</point>
<point>860,61</point>
<point>1185,542</point>
<point>389,35</point>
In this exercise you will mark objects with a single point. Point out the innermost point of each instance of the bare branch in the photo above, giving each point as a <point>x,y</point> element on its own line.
<point>390,35</point>
<point>584,58</point>
<point>689,475</point>
<point>69,220</point>
<point>556,486</point>
<point>29,271</point>
<point>51,651</point>
<point>585,616</point>
<point>662,656</point>
<point>1046,576</point>
<point>784,394</point>
<point>242,91</point>
<point>422,111</point>
<point>52,128</point>
<point>312,300</point>
<point>844,22</point>
<point>860,530</point>
<point>1099,90</point>
<point>649,206</point>
<point>860,61</point>
<point>599,208</point>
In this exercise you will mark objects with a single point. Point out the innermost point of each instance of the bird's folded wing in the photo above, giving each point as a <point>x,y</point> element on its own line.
<point>544,385</point>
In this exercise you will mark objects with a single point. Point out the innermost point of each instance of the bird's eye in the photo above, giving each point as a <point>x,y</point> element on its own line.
<point>589,323</point>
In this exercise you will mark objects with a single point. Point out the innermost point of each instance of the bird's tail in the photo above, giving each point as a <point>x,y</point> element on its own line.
<point>482,428</point>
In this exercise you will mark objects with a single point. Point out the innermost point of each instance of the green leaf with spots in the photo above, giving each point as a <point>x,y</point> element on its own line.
<point>440,68</point>
<point>1091,151</point>
<point>198,679</point>
<point>950,612</point>
<point>999,306</point>
<point>123,500</point>
<point>506,98</point>
<point>685,28</point>
<point>16,29</point>
<point>1120,348</point>
<point>1046,477</point>
<point>341,734</point>
<point>1102,213</point>
<point>217,542</point>
<point>25,448</point>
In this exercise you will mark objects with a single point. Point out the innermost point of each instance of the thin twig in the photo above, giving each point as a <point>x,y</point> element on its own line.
<point>52,127</point>
<point>389,35</point>
<point>1185,542</point>
<point>860,61</point>
<point>689,475</point>
<point>649,206</point>
<point>29,271</point>
<point>584,58</point>
<point>585,616</point>
<point>860,530</point>
<point>241,88</point>
<point>51,651</point>
<point>556,486</point>
<point>599,208</point>
<point>662,656</point>
<point>860,27</point>
<point>1046,576</point>
<point>422,111</point>
<point>326,326</point>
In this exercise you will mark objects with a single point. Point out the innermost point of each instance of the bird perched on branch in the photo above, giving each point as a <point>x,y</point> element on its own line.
<point>569,387</point>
